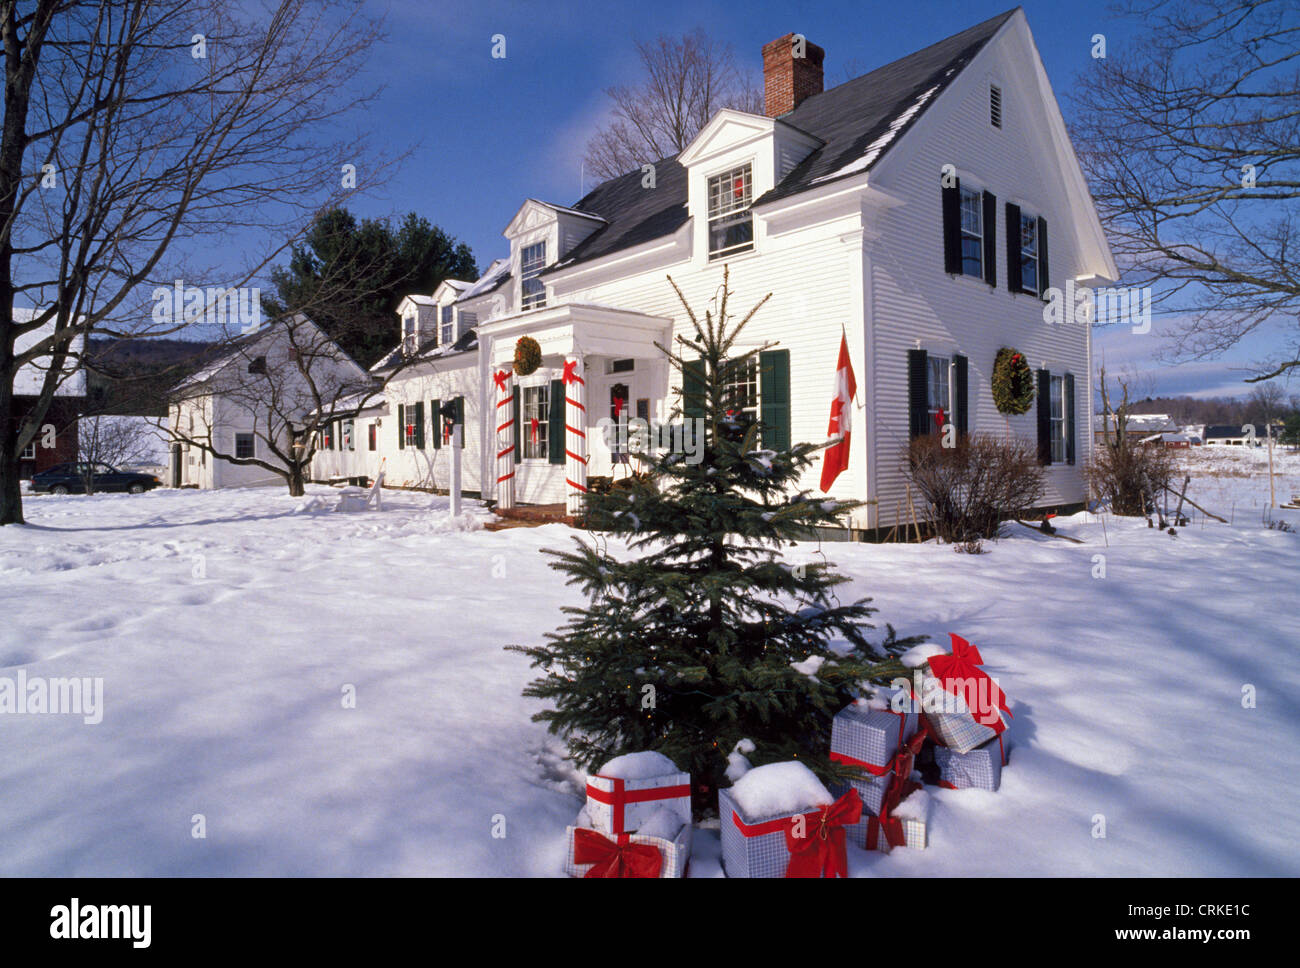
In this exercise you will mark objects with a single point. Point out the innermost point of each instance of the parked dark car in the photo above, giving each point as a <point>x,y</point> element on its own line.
<point>71,479</point>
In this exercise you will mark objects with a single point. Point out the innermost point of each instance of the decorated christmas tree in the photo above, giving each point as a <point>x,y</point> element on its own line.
<point>712,629</point>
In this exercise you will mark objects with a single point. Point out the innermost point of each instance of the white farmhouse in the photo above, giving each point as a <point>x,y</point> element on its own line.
<point>925,210</point>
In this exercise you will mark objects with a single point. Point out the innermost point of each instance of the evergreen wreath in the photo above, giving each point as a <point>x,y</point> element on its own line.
<point>1013,382</point>
<point>528,356</point>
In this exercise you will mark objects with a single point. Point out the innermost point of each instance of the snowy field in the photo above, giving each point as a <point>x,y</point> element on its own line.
<point>230,628</point>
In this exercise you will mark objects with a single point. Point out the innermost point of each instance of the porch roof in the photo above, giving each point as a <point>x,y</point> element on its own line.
<point>582,328</point>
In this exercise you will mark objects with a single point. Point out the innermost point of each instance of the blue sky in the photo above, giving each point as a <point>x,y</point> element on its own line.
<point>489,133</point>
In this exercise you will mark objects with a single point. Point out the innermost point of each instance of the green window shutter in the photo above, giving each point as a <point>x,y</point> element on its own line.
<point>991,239</point>
<point>1042,258</point>
<point>460,419</point>
<point>1015,281</point>
<point>519,442</point>
<point>555,443</point>
<point>918,392</point>
<point>959,386</point>
<point>1044,416</point>
<point>1068,388</point>
<point>401,427</point>
<point>952,227</point>
<point>774,398</point>
<point>435,423</point>
<point>419,425</point>
<point>694,396</point>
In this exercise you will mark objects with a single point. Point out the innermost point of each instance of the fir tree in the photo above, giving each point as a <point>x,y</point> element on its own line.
<point>689,644</point>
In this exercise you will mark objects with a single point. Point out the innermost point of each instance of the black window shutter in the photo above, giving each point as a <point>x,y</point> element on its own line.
<point>555,441</point>
<point>519,443</point>
<point>1044,416</point>
<point>460,419</point>
<point>959,386</point>
<point>1015,281</point>
<point>401,427</point>
<point>435,423</point>
<point>952,228</point>
<point>991,239</point>
<point>1068,388</point>
<point>918,392</point>
<point>419,425</point>
<point>774,397</point>
<point>1042,258</point>
<point>693,389</point>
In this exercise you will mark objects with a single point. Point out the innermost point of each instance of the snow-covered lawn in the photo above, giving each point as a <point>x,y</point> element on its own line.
<point>229,626</point>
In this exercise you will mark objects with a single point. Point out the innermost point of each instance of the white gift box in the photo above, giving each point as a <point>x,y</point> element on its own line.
<point>979,769</point>
<point>675,852</point>
<point>618,804</point>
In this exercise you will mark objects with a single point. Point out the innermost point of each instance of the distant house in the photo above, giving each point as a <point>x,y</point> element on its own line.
<point>1139,426</point>
<point>56,440</point>
<point>1238,435</point>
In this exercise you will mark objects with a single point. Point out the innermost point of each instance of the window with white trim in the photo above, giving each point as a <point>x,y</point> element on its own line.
<point>245,446</point>
<point>535,416</point>
<point>1058,419</point>
<point>29,452</point>
<point>731,223</point>
<point>410,428</point>
<point>741,394</point>
<point>1028,252</point>
<point>410,334</point>
<point>972,233</point>
<point>939,387</point>
<point>448,326</point>
<point>345,435</point>
<point>532,260</point>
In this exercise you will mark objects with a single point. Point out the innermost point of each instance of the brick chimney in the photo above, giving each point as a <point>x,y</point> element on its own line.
<point>787,78</point>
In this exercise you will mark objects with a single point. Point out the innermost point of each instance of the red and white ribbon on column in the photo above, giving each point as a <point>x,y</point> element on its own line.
<point>575,436</point>
<point>505,438</point>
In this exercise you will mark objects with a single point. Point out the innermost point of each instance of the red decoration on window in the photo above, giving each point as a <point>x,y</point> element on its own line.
<point>619,404</point>
<point>940,419</point>
<point>738,187</point>
<point>534,423</point>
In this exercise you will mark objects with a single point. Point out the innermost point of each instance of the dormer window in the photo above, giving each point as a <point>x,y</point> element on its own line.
<point>409,335</point>
<point>448,327</point>
<point>532,259</point>
<point>731,224</point>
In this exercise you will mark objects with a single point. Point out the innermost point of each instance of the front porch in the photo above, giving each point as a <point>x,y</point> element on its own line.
<point>600,365</point>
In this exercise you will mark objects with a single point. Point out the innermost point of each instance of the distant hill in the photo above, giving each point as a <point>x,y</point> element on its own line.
<point>132,376</point>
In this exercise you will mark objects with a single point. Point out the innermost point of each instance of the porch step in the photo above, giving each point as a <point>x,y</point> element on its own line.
<point>536,514</point>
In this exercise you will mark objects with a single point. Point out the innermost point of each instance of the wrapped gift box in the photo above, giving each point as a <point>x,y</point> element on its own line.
<point>786,844</point>
<point>958,679</point>
<point>909,819</point>
<point>979,769</point>
<point>872,790</point>
<point>626,855</point>
<point>628,789</point>
<point>868,738</point>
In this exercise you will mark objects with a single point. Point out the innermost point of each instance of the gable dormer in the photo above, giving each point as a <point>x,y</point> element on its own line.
<point>541,234</point>
<point>417,325</point>
<point>736,158</point>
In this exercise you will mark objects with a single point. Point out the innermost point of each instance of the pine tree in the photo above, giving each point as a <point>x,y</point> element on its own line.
<point>689,644</point>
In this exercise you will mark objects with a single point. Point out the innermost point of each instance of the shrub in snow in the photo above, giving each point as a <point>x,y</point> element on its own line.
<point>971,488</point>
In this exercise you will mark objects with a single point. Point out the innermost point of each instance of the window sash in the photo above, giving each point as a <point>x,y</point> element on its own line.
<point>1029,252</point>
<point>346,435</point>
<point>532,259</point>
<point>29,452</point>
<point>939,388</point>
<point>972,233</point>
<point>245,446</point>
<point>1057,417</point>
<point>731,223</point>
<point>536,404</point>
<point>741,393</point>
<point>448,325</point>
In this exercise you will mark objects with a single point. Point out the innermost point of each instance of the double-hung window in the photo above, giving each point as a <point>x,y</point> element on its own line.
<point>409,334</point>
<point>536,416</point>
<point>245,446</point>
<point>972,233</point>
<point>1058,419</point>
<point>29,452</point>
<point>939,389</point>
<point>448,327</point>
<point>532,259</point>
<point>731,223</point>
<point>1029,252</point>
<point>741,397</point>
<point>345,435</point>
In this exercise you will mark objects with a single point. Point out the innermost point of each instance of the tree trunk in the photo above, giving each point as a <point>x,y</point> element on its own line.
<point>296,486</point>
<point>11,493</point>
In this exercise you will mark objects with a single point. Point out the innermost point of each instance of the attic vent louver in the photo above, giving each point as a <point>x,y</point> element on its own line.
<point>995,105</point>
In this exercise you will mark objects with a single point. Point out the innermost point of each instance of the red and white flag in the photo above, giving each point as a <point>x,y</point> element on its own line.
<point>836,458</point>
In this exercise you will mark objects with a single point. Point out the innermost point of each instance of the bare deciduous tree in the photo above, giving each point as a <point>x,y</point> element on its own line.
<point>141,129</point>
<point>1191,143</point>
<point>686,81</point>
<point>114,440</point>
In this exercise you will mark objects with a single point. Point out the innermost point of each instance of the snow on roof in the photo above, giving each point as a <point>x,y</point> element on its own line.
<point>1138,423</point>
<point>496,274</point>
<point>874,149</point>
<point>460,284</point>
<point>419,300</point>
<point>30,377</point>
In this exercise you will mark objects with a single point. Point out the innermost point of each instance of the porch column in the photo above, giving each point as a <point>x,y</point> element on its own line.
<point>575,436</point>
<point>505,438</point>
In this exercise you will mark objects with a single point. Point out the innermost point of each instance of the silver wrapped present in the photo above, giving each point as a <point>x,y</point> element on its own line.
<point>674,853</point>
<point>868,738</point>
<point>979,769</point>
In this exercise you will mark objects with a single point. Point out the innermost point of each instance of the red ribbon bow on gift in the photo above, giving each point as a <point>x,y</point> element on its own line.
<point>615,858</point>
<point>499,378</point>
<point>960,675</point>
<point>820,852</point>
<point>899,789</point>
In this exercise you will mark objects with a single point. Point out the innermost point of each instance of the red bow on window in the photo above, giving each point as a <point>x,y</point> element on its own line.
<point>940,418</point>
<point>446,433</point>
<point>533,423</point>
<point>615,858</point>
<point>738,187</point>
<point>619,404</point>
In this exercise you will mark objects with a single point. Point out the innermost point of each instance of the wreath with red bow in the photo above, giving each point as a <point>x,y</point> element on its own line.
<point>1013,382</point>
<point>528,355</point>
